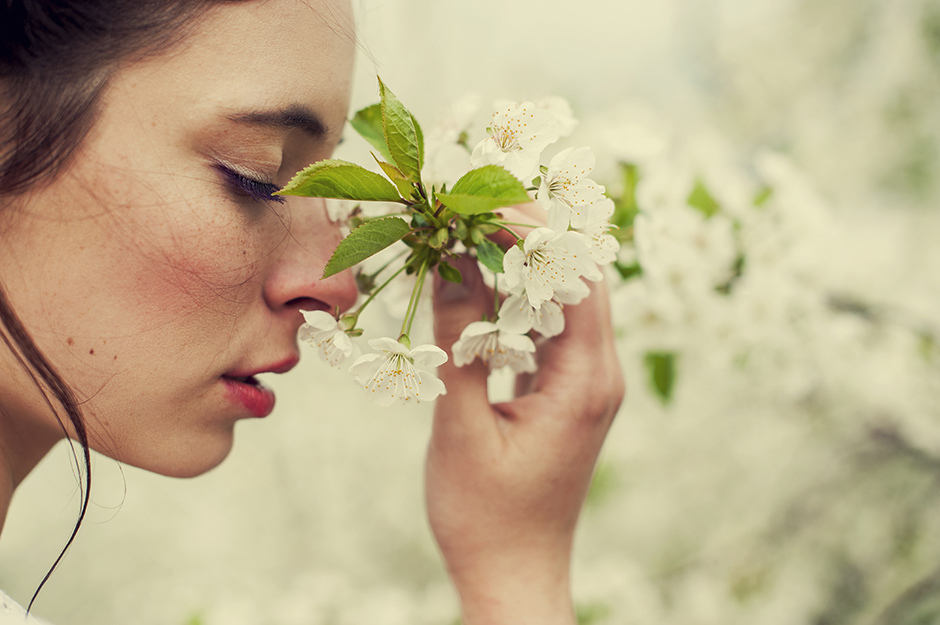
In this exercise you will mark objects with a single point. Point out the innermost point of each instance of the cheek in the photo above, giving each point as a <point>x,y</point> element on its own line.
<point>199,256</point>
<point>141,290</point>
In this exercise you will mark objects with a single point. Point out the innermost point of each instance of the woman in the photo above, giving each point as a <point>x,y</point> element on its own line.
<point>148,275</point>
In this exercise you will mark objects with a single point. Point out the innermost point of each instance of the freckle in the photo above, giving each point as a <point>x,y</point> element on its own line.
<point>70,341</point>
<point>91,351</point>
<point>115,357</point>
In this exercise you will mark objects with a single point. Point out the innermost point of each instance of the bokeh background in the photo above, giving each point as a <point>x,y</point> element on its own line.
<point>793,476</point>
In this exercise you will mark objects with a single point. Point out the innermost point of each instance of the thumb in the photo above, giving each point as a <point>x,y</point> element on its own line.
<point>455,307</point>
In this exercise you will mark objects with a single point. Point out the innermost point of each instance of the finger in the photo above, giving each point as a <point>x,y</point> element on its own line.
<point>455,307</point>
<point>580,366</point>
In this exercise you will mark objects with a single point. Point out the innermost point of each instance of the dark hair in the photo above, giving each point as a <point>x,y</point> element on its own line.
<point>56,57</point>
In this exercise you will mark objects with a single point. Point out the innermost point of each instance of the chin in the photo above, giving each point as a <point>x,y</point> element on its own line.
<point>184,457</point>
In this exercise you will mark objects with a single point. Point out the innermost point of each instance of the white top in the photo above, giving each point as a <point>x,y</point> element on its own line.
<point>12,613</point>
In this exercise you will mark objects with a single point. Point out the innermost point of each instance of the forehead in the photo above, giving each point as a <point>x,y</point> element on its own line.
<point>261,54</point>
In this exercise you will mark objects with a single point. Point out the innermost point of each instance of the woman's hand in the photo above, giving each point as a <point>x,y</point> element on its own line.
<point>506,482</point>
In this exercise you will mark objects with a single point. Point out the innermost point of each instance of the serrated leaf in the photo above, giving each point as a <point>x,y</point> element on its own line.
<point>368,123</point>
<point>661,367</point>
<point>398,127</point>
<point>419,136</point>
<point>449,272</point>
<point>342,180</point>
<point>484,189</point>
<point>371,237</point>
<point>490,255</point>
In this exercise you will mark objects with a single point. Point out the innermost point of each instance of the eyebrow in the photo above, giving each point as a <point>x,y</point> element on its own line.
<point>291,117</point>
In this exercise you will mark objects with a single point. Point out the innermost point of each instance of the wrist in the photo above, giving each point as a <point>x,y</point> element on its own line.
<point>533,592</point>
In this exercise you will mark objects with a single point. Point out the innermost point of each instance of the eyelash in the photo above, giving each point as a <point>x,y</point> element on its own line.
<point>257,190</point>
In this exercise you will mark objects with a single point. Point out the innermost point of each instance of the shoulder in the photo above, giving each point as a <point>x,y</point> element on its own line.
<point>12,613</point>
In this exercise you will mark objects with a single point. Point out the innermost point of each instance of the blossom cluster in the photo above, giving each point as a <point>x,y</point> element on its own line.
<point>534,279</point>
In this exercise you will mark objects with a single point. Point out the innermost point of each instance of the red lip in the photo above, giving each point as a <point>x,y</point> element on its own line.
<point>245,389</point>
<point>254,396</point>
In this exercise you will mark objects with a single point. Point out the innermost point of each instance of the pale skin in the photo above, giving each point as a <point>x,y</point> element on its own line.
<point>147,280</point>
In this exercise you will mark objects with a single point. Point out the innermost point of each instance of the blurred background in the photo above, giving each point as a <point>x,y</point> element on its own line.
<point>777,460</point>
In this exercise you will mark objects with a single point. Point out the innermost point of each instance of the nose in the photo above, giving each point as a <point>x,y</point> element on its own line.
<point>294,282</point>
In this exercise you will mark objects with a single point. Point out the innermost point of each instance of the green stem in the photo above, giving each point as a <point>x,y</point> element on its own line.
<point>514,223</point>
<point>509,230</point>
<point>415,296</point>
<point>495,296</point>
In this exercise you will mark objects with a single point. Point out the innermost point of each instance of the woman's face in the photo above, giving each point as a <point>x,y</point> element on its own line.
<point>157,274</point>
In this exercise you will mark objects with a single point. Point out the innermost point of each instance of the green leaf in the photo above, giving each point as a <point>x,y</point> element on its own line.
<point>702,200</point>
<point>371,237</point>
<point>419,135</point>
<point>368,123</point>
<point>449,272</point>
<point>491,255</point>
<point>401,136</point>
<point>343,180</point>
<point>483,190</point>
<point>761,197</point>
<point>603,484</point>
<point>661,367</point>
<point>589,614</point>
<point>394,174</point>
<point>626,208</point>
<point>628,271</point>
<point>439,238</point>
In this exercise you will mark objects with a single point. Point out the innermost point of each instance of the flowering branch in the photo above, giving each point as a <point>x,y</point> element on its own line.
<point>542,273</point>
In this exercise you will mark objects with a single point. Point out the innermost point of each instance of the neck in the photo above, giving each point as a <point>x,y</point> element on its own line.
<point>22,446</point>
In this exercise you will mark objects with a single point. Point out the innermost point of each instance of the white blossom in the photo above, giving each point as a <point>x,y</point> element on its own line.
<point>444,163</point>
<point>456,120</point>
<point>446,157</point>
<point>550,264</point>
<point>678,246</point>
<point>393,375</point>
<point>323,331</point>
<point>603,245</point>
<point>496,346</point>
<point>518,134</point>
<point>566,192</point>
<point>516,314</point>
<point>561,111</point>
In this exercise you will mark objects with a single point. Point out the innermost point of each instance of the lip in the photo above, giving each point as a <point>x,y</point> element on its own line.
<point>254,396</point>
<point>243,388</point>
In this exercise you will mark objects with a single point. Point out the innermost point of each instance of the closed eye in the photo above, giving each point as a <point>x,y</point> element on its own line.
<point>257,190</point>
